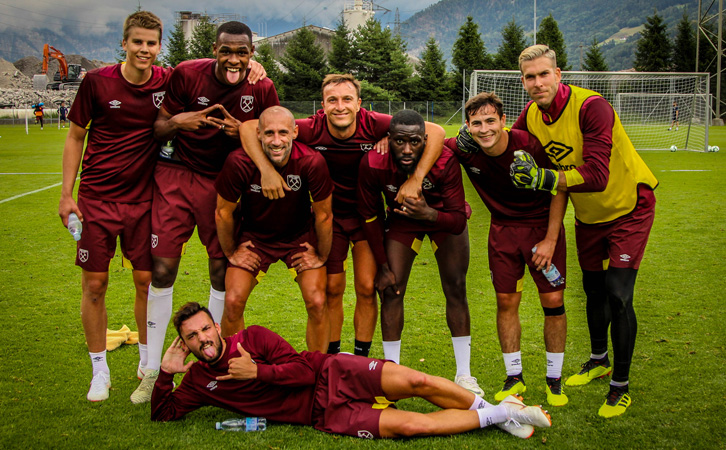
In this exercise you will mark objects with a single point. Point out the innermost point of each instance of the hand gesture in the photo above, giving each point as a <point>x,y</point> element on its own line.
<point>244,257</point>
<point>229,124</point>
<point>465,141</point>
<point>194,120</point>
<point>309,259</point>
<point>176,354</point>
<point>526,175</point>
<point>417,208</point>
<point>241,368</point>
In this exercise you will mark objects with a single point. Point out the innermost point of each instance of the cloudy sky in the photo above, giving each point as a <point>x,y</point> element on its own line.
<point>94,16</point>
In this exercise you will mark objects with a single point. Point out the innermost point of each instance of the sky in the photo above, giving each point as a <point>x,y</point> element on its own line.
<point>267,17</point>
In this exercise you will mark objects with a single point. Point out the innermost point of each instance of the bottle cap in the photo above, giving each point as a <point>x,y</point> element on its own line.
<point>218,425</point>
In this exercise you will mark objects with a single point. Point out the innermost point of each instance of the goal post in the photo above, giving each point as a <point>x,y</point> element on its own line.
<point>643,101</point>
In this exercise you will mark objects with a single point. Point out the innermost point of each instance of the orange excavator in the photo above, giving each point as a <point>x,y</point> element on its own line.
<point>69,76</point>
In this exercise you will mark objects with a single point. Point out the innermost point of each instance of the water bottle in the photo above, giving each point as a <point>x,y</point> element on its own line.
<point>243,424</point>
<point>75,227</point>
<point>553,275</point>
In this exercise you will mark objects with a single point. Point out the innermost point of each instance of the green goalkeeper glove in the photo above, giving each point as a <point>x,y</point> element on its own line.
<point>526,175</point>
<point>465,141</point>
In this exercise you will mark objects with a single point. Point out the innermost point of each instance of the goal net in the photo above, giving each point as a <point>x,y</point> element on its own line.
<point>644,102</point>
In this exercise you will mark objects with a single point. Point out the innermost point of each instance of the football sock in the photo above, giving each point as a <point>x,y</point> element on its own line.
<point>360,348</point>
<point>554,364</point>
<point>598,356</point>
<point>492,415</point>
<point>143,355</point>
<point>98,362</point>
<point>618,383</point>
<point>513,363</point>
<point>479,403</point>
<point>462,354</point>
<point>334,347</point>
<point>158,314</point>
<point>216,304</point>
<point>392,350</point>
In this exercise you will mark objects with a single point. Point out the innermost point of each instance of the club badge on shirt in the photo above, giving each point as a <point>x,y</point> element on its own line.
<point>294,182</point>
<point>158,98</point>
<point>246,102</point>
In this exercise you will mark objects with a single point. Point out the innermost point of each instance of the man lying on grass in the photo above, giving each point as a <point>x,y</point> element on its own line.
<point>257,373</point>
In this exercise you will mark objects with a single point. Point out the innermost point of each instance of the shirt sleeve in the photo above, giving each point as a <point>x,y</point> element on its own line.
<point>230,180</point>
<point>168,403</point>
<point>174,99</point>
<point>452,217</point>
<point>321,186</point>
<point>596,123</point>
<point>283,365</point>
<point>82,112</point>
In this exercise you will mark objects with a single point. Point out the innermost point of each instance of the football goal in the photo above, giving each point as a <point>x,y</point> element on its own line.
<point>646,103</point>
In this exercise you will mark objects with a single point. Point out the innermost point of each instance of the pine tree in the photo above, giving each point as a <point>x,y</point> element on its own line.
<point>432,80</point>
<point>594,60</point>
<point>341,52</point>
<point>653,52</point>
<point>513,42</point>
<point>304,60</point>
<point>176,48</point>
<point>201,44</point>
<point>265,56</point>
<point>469,52</point>
<point>684,47</point>
<point>549,34</point>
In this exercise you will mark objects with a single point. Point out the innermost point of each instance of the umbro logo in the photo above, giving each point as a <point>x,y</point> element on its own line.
<point>392,188</point>
<point>115,104</point>
<point>151,324</point>
<point>97,358</point>
<point>255,188</point>
<point>557,150</point>
<point>475,170</point>
<point>625,257</point>
<point>204,101</point>
<point>320,148</point>
<point>212,385</point>
<point>372,365</point>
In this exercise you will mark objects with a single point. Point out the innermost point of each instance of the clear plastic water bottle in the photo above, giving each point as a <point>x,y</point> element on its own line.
<point>75,227</point>
<point>553,275</point>
<point>243,424</point>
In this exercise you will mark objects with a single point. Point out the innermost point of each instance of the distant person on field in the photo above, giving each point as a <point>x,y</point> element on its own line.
<point>115,108</point>
<point>674,116</point>
<point>38,111</point>
<point>62,112</point>
<point>257,373</point>
<point>611,189</point>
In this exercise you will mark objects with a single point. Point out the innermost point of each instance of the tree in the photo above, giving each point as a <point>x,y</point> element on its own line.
<point>653,49</point>
<point>469,52</point>
<point>304,60</point>
<point>684,47</point>
<point>341,52</point>
<point>265,56</point>
<point>549,34</point>
<point>176,49</point>
<point>432,76</point>
<point>201,44</point>
<point>513,42</point>
<point>594,60</point>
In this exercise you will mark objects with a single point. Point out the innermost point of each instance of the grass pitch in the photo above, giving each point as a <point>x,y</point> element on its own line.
<point>677,377</point>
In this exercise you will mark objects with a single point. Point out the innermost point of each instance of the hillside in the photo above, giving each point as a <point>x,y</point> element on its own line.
<point>579,22</point>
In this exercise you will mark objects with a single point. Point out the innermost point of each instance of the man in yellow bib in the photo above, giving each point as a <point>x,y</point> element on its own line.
<point>611,190</point>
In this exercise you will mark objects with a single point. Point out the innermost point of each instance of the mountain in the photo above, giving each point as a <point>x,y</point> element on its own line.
<point>579,21</point>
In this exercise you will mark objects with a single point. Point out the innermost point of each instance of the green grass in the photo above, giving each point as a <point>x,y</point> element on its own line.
<point>678,374</point>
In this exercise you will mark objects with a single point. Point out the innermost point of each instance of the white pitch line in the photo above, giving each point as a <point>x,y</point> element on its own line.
<point>687,170</point>
<point>31,173</point>
<point>31,192</point>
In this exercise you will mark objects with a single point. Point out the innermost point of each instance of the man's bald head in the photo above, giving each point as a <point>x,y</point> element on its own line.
<point>276,131</point>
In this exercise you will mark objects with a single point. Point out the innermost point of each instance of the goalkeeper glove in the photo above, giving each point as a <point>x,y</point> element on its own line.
<point>526,175</point>
<point>465,141</point>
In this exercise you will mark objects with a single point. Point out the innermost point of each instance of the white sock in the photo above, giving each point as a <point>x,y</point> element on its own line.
<point>462,354</point>
<point>554,364</point>
<point>158,314</point>
<point>392,350</point>
<point>479,403</point>
<point>600,356</point>
<point>513,363</point>
<point>216,304</point>
<point>143,355</point>
<point>491,415</point>
<point>619,383</point>
<point>98,362</point>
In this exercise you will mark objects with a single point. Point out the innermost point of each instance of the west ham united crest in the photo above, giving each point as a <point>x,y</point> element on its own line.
<point>246,102</point>
<point>154,240</point>
<point>158,98</point>
<point>82,255</point>
<point>366,147</point>
<point>294,182</point>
